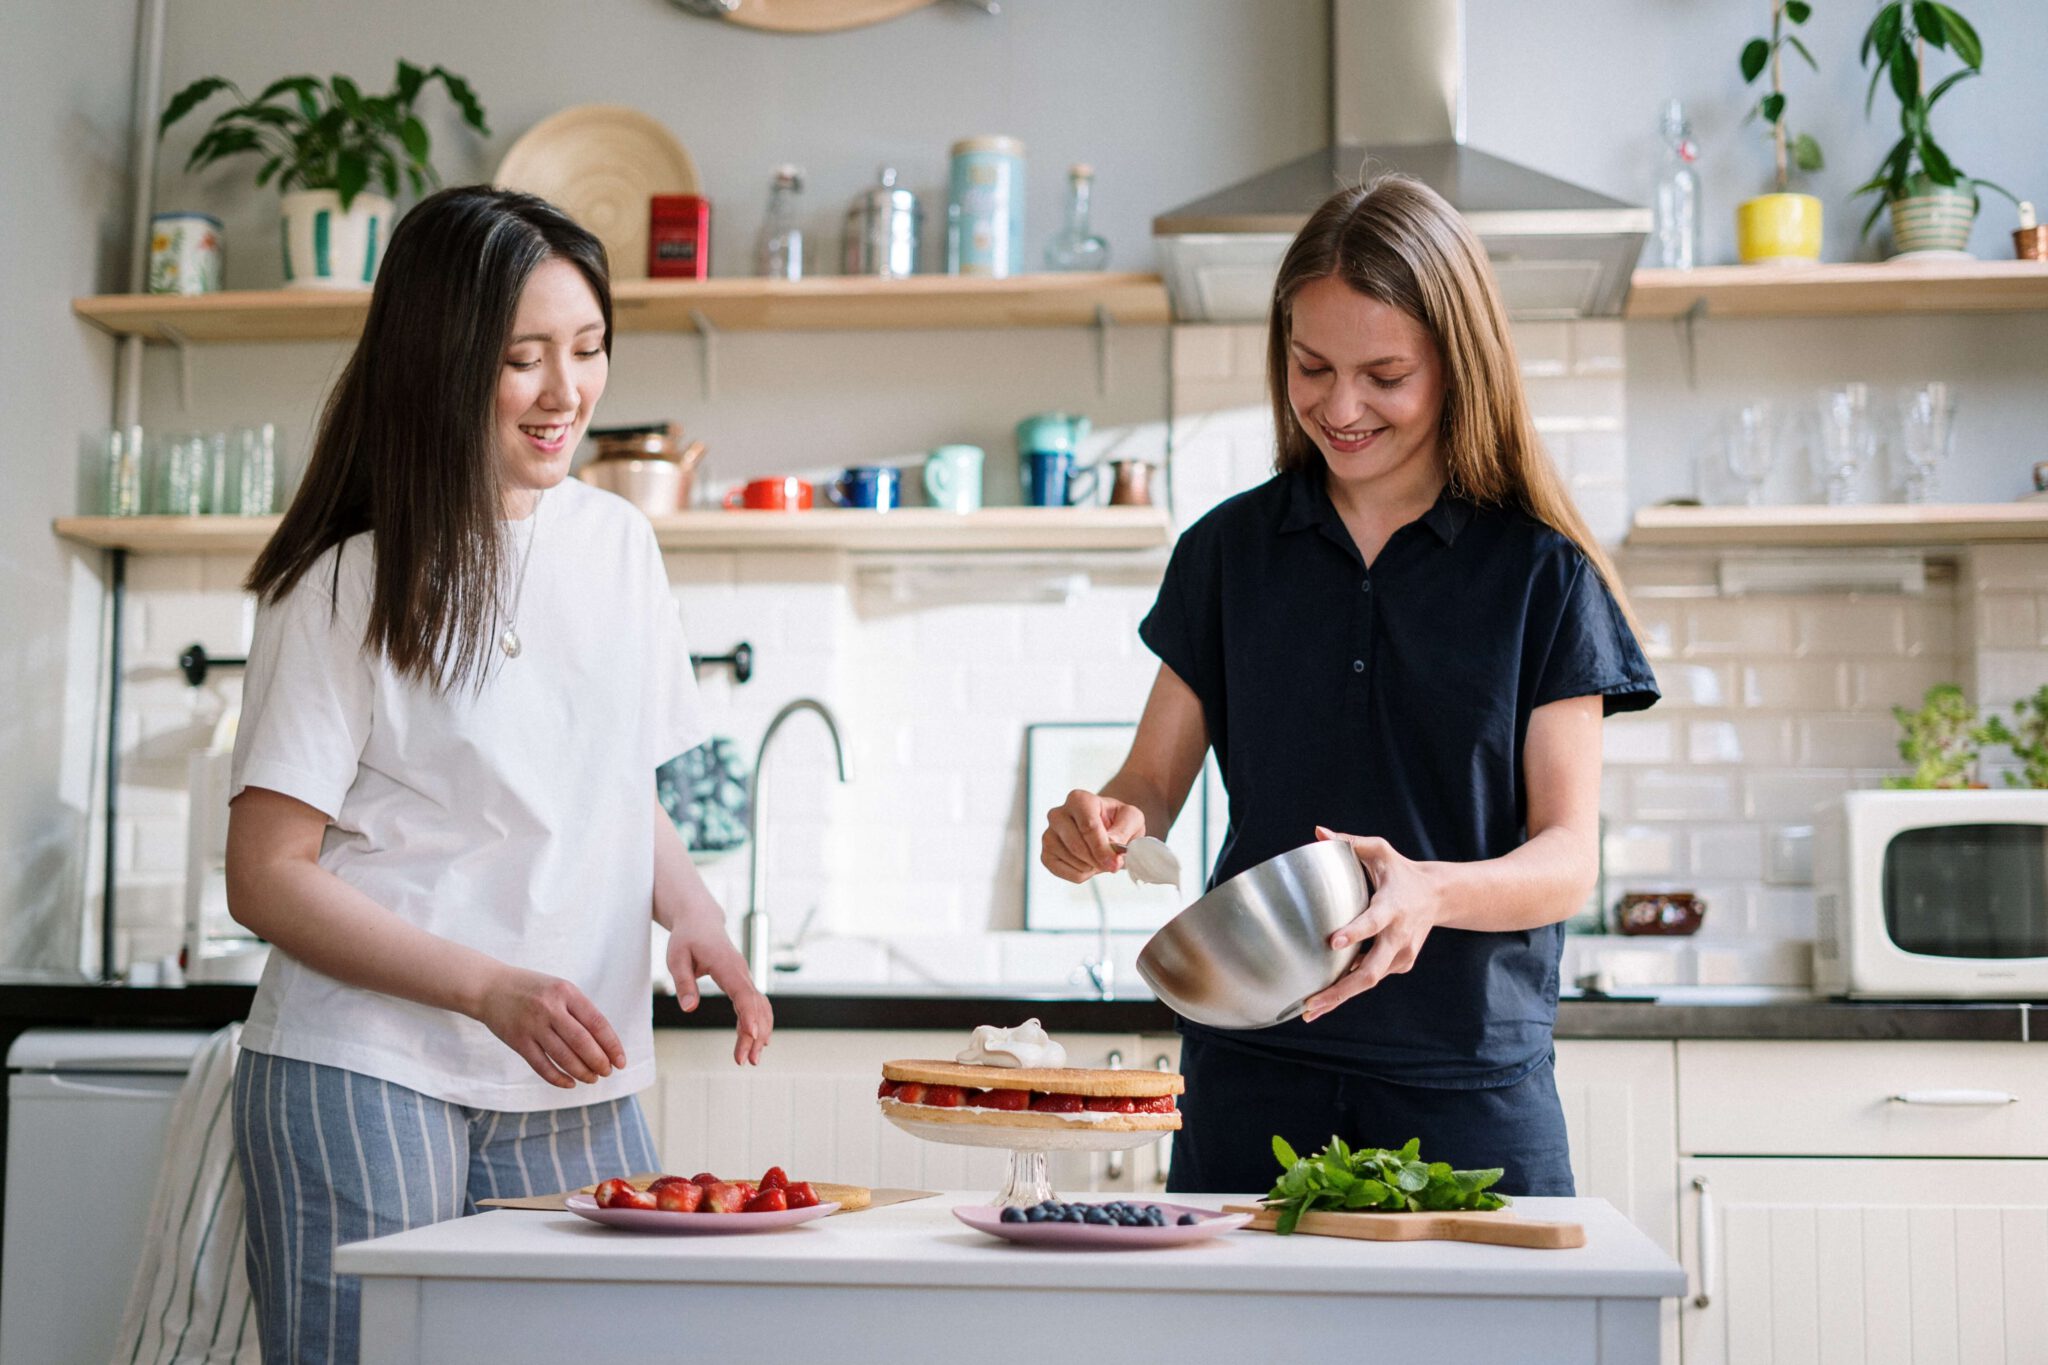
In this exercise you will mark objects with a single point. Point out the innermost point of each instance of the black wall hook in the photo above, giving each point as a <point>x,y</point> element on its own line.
<point>740,661</point>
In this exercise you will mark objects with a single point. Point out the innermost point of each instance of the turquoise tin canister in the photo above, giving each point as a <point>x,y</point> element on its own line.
<point>985,207</point>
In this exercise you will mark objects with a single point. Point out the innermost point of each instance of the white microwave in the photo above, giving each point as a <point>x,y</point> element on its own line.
<point>1932,895</point>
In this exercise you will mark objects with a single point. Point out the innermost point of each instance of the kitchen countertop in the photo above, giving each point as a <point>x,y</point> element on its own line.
<point>909,1281</point>
<point>1732,1015</point>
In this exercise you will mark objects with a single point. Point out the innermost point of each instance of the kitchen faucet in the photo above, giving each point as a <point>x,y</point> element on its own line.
<point>1101,968</point>
<point>754,927</point>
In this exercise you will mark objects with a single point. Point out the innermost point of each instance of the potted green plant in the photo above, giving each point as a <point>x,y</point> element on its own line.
<point>325,144</point>
<point>1942,741</point>
<point>1932,201</point>
<point>1780,227</point>
<point>2027,738</point>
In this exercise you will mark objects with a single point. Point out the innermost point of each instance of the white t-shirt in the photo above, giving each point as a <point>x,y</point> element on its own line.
<point>516,819</point>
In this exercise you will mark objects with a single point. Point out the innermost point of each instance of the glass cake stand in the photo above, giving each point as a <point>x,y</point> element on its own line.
<point>1027,1180</point>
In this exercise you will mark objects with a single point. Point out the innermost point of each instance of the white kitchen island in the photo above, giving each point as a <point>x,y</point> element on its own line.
<point>910,1282</point>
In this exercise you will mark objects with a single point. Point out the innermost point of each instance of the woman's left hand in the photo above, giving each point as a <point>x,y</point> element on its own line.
<point>714,956</point>
<point>1403,909</point>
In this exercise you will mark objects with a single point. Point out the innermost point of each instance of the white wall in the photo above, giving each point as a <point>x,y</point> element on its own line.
<point>65,76</point>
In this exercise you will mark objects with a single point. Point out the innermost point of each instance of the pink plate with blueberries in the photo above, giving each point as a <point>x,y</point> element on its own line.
<point>1208,1223</point>
<point>688,1224</point>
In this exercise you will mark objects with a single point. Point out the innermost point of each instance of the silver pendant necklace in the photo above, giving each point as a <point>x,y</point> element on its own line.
<point>509,641</point>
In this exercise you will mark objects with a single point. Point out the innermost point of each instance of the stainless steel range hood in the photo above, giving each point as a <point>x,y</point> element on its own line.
<point>1397,83</point>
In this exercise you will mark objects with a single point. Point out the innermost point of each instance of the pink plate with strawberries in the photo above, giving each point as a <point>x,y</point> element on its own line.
<point>691,1224</point>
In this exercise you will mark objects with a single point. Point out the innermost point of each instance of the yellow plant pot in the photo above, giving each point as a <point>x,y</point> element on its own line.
<point>1778,228</point>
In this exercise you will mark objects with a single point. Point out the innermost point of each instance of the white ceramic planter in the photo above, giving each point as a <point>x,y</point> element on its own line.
<point>1933,222</point>
<point>325,248</point>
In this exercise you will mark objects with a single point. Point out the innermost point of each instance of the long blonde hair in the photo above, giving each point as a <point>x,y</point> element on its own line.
<point>1396,240</point>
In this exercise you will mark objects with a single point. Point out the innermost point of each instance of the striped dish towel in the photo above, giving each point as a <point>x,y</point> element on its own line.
<point>190,1302</point>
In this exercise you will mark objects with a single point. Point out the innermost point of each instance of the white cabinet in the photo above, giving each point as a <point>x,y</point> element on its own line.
<point>1865,1261</point>
<point>1807,1237</point>
<point>810,1107</point>
<point>1620,1113</point>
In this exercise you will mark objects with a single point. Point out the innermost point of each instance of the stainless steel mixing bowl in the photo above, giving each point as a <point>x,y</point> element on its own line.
<point>1248,954</point>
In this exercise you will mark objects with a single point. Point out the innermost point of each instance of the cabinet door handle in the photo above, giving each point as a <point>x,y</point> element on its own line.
<point>1956,1099</point>
<point>1706,1243</point>
<point>1113,1164</point>
<point>1164,1162</point>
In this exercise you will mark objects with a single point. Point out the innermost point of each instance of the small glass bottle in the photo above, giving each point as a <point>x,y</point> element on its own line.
<point>1678,193</point>
<point>780,252</point>
<point>1073,247</point>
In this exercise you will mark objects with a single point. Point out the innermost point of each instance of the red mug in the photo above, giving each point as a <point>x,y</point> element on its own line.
<point>770,495</point>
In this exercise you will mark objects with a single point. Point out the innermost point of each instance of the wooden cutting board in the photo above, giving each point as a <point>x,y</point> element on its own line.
<point>1500,1228</point>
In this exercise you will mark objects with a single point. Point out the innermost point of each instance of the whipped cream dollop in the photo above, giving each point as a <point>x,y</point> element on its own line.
<point>1028,1044</point>
<point>1149,860</point>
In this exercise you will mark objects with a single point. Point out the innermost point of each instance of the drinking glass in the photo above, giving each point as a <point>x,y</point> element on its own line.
<point>178,476</point>
<point>110,468</point>
<point>1752,445</point>
<point>1848,440</point>
<point>252,471</point>
<point>1926,433</point>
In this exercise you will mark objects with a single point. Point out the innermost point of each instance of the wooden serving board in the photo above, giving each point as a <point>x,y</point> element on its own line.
<point>1500,1228</point>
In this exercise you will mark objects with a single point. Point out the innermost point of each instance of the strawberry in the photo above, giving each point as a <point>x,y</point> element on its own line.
<point>1005,1099</point>
<point>704,1178</point>
<point>1159,1104</point>
<point>776,1179</point>
<point>634,1199</point>
<point>1056,1104</point>
<point>945,1096</point>
<point>1112,1104</point>
<point>910,1092</point>
<point>608,1192</point>
<point>767,1201</point>
<point>724,1197</point>
<point>888,1090</point>
<point>679,1196</point>
<point>801,1195</point>
<point>662,1182</point>
<point>748,1189</point>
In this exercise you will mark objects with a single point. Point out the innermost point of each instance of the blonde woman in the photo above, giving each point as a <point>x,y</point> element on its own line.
<point>1406,639</point>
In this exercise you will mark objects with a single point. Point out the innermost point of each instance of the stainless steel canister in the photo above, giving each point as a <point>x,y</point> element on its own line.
<point>883,226</point>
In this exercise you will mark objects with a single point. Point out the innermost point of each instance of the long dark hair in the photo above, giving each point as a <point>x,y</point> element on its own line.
<point>1396,240</point>
<point>404,450</point>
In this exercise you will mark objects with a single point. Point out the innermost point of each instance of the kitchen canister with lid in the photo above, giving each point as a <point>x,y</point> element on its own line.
<point>985,207</point>
<point>884,229</point>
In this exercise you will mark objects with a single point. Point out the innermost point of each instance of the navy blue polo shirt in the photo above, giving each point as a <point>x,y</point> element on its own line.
<point>1393,701</point>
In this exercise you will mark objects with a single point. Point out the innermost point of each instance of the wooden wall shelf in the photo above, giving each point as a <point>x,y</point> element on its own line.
<point>830,303</point>
<point>1888,524</point>
<point>1748,291</point>
<point>901,530</point>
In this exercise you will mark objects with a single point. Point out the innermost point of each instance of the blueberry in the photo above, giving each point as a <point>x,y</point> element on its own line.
<point>1187,1220</point>
<point>1099,1216</point>
<point>1034,1214</point>
<point>1014,1215</point>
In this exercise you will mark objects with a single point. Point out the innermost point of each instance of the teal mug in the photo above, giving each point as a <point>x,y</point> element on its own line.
<point>952,478</point>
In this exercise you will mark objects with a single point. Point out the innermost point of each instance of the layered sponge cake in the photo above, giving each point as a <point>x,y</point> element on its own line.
<point>1050,1097</point>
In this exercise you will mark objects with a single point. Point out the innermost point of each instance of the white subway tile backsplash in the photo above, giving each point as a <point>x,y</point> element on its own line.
<point>1851,627</point>
<point>1726,852</point>
<point>1690,686</point>
<point>1248,352</point>
<point>1881,685</point>
<point>1817,685</point>
<point>1201,353</point>
<point>1599,347</point>
<point>1639,851</point>
<point>1739,626</point>
<point>1788,855</point>
<point>2008,620</point>
<point>2005,675</point>
<point>1791,795</point>
<point>1544,349</point>
<point>1847,741</point>
<point>1763,740</point>
<point>1637,739</point>
<point>1681,795</point>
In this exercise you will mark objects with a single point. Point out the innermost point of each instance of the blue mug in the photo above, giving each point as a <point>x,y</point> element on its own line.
<point>1052,480</point>
<point>877,486</point>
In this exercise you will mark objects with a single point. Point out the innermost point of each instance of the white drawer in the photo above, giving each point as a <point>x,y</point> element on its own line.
<point>1863,1099</point>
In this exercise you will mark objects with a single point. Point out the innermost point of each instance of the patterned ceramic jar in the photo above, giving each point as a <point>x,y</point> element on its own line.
<point>184,253</point>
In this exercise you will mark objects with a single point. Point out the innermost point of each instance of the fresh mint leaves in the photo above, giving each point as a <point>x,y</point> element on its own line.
<point>1375,1179</point>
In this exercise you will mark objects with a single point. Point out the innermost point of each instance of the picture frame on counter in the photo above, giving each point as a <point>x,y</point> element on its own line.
<point>1062,756</point>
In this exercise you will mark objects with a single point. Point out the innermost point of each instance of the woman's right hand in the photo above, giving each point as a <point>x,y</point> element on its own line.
<point>553,1025</point>
<point>1079,832</point>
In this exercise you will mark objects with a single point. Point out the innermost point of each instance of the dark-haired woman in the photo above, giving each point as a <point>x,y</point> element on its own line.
<point>465,670</point>
<point>1406,634</point>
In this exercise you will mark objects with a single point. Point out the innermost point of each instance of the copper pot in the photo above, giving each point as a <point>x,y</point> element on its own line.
<point>658,487</point>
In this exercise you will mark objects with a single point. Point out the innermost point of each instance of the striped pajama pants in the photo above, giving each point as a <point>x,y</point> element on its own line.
<point>331,1156</point>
